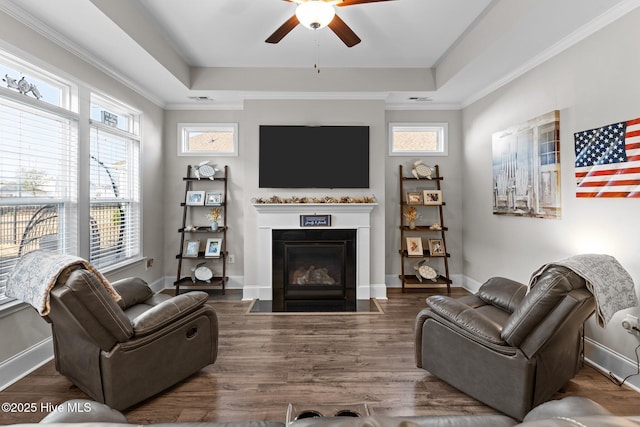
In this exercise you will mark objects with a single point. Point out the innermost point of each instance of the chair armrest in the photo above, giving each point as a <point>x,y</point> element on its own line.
<point>132,291</point>
<point>167,311</point>
<point>503,293</point>
<point>466,318</point>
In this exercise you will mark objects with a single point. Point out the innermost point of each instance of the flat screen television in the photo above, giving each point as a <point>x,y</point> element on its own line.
<point>314,157</point>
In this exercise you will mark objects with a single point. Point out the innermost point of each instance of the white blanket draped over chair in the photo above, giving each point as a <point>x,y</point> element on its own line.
<point>610,284</point>
<point>37,272</point>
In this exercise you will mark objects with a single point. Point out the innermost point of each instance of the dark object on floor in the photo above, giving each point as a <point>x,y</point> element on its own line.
<point>121,353</point>
<point>508,349</point>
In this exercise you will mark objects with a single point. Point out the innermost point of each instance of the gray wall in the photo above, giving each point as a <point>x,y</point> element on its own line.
<point>242,234</point>
<point>23,329</point>
<point>451,191</point>
<point>593,84</point>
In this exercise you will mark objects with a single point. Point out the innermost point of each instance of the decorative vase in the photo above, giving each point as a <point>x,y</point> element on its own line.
<point>412,225</point>
<point>214,225</point>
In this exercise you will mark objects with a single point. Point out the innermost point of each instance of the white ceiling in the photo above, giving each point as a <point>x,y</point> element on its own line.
<point>450,51</point>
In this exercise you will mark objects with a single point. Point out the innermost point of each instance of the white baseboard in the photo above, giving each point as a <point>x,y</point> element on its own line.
<point>608,361</point>
<point>25,362</point>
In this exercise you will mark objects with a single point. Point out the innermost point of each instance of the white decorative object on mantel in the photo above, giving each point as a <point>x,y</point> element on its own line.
<point>354,216</point>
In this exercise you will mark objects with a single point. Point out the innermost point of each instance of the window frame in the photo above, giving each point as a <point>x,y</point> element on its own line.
<point>185,128</point>
<point>441,128</point>
<point>134,178</point>
<point>67,140</point>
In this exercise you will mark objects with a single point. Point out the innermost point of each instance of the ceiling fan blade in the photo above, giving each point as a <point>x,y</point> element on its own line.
<point>353,2</point>
<point>284,29</point>
<point>343,31</point>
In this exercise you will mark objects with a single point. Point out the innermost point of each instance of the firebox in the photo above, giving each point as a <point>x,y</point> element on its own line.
<point>314,270</point>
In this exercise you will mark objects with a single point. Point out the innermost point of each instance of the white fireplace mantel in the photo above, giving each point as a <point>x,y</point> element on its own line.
<point>270,216</point>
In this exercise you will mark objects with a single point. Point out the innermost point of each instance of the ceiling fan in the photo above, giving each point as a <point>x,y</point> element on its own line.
<point>317,14</point>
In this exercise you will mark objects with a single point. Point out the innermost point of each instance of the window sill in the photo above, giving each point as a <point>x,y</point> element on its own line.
<point>121,265</point>
<point>11,307</point>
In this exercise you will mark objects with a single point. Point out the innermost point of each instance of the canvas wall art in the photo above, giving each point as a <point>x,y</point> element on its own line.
<point>526,168</point>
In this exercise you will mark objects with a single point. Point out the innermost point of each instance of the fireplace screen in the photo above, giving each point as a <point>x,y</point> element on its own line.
<point>315,265</point>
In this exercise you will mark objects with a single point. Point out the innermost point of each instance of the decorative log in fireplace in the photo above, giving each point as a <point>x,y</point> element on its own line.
<point>314,270</point>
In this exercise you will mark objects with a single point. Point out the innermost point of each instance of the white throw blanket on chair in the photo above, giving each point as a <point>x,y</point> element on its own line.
<point>610,284</point>
<point>37,272</point>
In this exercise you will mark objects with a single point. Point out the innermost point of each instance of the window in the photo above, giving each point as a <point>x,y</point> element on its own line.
<point>38,169</point>
<point>215,139</point>
<point>114,217</point>
<point>418,139</point>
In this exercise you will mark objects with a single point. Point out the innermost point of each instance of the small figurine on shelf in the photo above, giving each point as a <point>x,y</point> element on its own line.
<point>204,170</point>
<point>435,226</point>
<point>411,214</point>
<point>420,170</point>
<point>214,216</point>
<point>425,271</point>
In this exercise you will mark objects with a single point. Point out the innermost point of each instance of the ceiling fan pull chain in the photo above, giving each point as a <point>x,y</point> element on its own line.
<point>317,42</point>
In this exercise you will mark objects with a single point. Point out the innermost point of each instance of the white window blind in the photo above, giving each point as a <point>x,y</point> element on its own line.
<point>114,196</point>
<point>38,181</point>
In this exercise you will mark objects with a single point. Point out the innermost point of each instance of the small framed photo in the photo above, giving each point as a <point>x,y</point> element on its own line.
<point>436,247</point>
<point>191,248</point>
<point>195,198</point>
<point>213,248</point>
<point>414,198</point>
<point>414,246</point>
<point>213,199</point>
<point>432,197</point>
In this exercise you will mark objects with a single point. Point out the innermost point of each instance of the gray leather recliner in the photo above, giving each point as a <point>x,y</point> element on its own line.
<point>507,348</point>
<point>121,353</point>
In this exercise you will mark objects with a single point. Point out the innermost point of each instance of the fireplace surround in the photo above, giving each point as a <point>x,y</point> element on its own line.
<point>344,216</point>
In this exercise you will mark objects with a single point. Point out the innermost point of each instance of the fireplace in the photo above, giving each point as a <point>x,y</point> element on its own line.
<point>314,270</point>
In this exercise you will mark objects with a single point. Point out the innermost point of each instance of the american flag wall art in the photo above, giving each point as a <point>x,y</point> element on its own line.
<point>608,160</point>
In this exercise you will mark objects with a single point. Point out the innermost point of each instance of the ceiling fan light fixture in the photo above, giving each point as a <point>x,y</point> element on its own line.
<point>315,14</point>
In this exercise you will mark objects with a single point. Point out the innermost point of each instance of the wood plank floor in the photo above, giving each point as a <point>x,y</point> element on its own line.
<point>265,362</point>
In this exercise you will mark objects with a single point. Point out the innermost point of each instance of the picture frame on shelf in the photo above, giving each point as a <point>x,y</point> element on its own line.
<point>213,249</point>
<point>436,247</point>
<point>191,249</point>
<point>414,246</point>
<point>432,197</point>
<point>213,199</point>
<point>414,198</point>
<point>195,198</point>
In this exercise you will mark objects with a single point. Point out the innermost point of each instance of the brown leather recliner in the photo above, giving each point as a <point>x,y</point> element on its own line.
<point>507,348</point>
<point>121,353</point>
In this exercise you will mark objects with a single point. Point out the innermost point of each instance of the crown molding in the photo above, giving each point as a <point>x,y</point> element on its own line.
<point>577,36</point>
<point>16,12</point>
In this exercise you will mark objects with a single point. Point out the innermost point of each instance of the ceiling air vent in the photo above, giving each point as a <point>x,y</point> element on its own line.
<point>420,99</point>
<point>201,98</point>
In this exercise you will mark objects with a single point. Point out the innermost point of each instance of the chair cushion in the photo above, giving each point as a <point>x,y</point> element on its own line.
<point>466,318</point>
<point>504,293</point>
<point>88,290</point>
<point>132,291</point>
<point>167,311</point>
<point>552,286</point>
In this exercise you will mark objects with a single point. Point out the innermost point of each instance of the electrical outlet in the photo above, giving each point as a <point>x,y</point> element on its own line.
<point>231,258</point>
<point>149,263</point>
<point>631,325</point>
